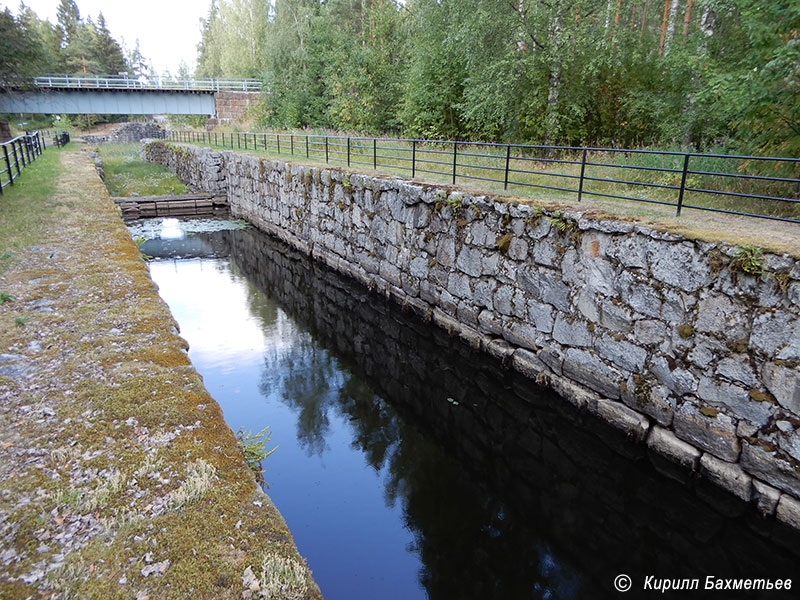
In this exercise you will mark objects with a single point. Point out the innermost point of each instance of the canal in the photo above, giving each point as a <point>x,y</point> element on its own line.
<point>409,466</point>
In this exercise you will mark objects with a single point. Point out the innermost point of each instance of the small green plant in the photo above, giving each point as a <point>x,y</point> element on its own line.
<point>455,203</point>
<point>254,448</point>
<point>20,321</point>
<point>139,240</point>
<point>5,255</point>
<point>749,260</point>
<point>562,223</point>
<point>6,297</point>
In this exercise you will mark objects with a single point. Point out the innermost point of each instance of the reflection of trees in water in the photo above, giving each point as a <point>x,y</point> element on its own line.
<point>468,547</point>
<point>306,379</point>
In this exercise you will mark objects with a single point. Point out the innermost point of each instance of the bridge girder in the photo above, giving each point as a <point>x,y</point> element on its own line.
<point>108,102</point>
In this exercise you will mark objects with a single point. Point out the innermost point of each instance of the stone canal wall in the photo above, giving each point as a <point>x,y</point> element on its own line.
<point>676,341</point>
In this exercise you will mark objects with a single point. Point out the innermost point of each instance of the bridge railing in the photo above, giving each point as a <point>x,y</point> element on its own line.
<point>123,82</point>
<point>18,153</point>
<point>750,186</point>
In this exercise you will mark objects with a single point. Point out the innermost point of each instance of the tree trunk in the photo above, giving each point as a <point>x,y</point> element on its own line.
<point>663,28</point>
<point>554,83</point>
<point>673,13</point>
<point>687,17</point>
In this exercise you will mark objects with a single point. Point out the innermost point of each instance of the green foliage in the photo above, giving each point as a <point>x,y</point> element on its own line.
<point>30,46</point>
<point>749,260</point>
<point>254,448</point>
<point>6,297</point>
<point>20,321</point>
<point>578,72</point>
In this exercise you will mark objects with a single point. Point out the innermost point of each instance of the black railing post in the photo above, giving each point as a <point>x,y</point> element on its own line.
<point>583,170</point>
<point>44,143</point>
<point>278,136</point>
<point>348,152</point>
<point>683,183</point>
<point>326,148</point>
<point>413,158</point>
<point>508,162</point>
<point>16,158</point>
<point>245,141</point>
<point>291,143</point>
<point>455,155</point>
<point>238,141</point>
<point>375,154</point>
<point>307,154</point>
<point>265,142</point>
<point>8,165</point>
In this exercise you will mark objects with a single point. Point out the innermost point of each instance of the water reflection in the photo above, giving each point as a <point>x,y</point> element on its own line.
<point>490,487</point>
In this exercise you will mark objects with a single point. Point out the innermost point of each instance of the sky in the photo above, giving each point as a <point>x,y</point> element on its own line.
<point>168,30</point>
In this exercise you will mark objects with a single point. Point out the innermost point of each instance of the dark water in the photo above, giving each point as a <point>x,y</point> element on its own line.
<point>410,467</point>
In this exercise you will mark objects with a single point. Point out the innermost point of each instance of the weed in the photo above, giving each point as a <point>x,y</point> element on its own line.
<point>455,202</point>
<point>254,448</point>
<point>20,321</point>
<point>6,255</point>
<point>139,240</point>
<point>6,297</point>
<point>749,260</point>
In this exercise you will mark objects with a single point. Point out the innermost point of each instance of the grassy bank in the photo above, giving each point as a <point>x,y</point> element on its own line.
<point>118,475</point>
<point>126,173</point>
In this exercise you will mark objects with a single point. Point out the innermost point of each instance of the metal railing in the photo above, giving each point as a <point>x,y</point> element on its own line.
<point>18,153</point>
<point>684,180</point>
<point>124,82</point>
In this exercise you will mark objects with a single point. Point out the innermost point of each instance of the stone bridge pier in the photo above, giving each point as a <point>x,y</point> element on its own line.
<point>231,106</point>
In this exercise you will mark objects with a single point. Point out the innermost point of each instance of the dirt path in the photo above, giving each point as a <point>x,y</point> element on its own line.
<point>119,477</point>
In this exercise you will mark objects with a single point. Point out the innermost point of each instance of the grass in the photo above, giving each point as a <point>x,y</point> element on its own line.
<point>126,173</point>
<point>25,206</point>
<point>556,176</point>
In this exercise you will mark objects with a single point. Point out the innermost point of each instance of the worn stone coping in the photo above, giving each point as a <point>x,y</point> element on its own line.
<point>119,477</point>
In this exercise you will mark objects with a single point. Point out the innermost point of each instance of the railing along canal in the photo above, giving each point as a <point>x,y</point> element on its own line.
<point>21,151</point>
<point>683,180</point>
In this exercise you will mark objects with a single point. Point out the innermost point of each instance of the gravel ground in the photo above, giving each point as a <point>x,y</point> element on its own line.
<point>120,478</point>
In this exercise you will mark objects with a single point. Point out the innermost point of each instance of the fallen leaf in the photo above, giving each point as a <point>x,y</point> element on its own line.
<point>7,445</point>
<point>91,568</point>
<point>59,520</point>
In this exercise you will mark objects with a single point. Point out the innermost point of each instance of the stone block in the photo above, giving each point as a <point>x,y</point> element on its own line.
<point>783,382</point>
<point>616,318</point>
<point>788,511</point>
<point>736,398</point>
<point>776,335</point>
<point>469,261</point>
<point>621,353</point>
<point>652,400</point>
<point>623,418</point>
<point>665,443</point>
<point>678,380</point>
<point>728,476</point>
<point>766,497</point>
<point>722,316</point>
<point>650,332</point>
<point>777,470</point>
<point>586,368</point>
<point>545,285</point>
<point>574,333</point>
<point>713,433</point>
<point>737,368</point>
<point>679,265</point>
<point>527,363</point>
<point>541,315</point>
<point>521,335</point>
